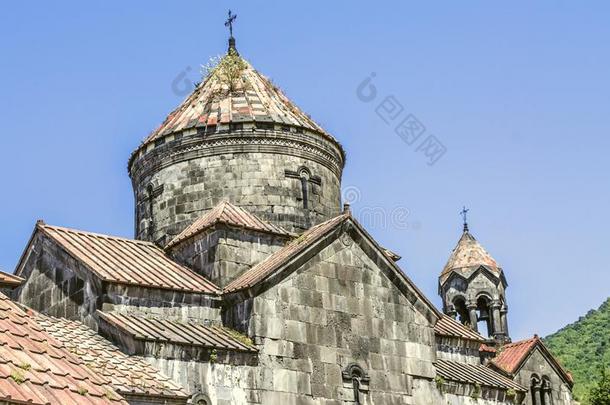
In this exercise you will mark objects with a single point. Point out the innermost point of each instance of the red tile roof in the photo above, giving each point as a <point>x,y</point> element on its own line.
<point>469,254</point>
<point>126,261</point>
<point>475,374</point>
<point>511,356</point>
<point>273,262</point>
<point>10,280</point>
<point>181,333</point>
<point>487,349</point>
<point>229,214</point>
<point>35,368</point>
<point>128,375</point>
<point>447,326</point>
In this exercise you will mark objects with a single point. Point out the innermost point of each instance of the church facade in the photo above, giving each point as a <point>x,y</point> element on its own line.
<point>248,283</point>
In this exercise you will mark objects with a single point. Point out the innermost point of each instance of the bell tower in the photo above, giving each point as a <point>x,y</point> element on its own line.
<point>473,288</point>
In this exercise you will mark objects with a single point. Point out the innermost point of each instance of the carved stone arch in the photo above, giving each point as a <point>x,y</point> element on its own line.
<point>304,171</point>
<point>201,399</point>
<point>356,379</point>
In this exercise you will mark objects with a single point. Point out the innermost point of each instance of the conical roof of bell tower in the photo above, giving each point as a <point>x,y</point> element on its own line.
<point>468,256</point>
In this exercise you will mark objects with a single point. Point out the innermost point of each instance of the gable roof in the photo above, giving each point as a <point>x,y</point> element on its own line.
<point>468,255</point>
<point>267,267</point>
<point>126,261</point>
<point>326,231</point>
<point>10,280</point>
<point>128,375</point>
<point>475,374</point>
<point>35,368</point>
<point>228,214</point>
<point>447,326</point>
<point>512,356</point>
<point>181,333</point>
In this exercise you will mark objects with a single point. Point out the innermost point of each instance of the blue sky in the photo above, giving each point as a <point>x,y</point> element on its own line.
<point>518,94</point>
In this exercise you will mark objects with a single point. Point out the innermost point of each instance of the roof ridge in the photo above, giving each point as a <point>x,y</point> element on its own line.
<point>216,215</point>
<point>94,234</point>
<point>290,251</point>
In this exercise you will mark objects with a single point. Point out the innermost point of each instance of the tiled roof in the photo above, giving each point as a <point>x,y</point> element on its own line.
<point>229,214</point>
<point>10,280</point>
<point>273,262</point>
<point>469,254</point>
<point>487,349</point>
<point>126,261</point>
<point>511,356</point>
<point>35,368</point>
<point>475,374</point>
<point>181,333</point>
<point>127,374</point>
<point>255,98</point>
<point>447,326</point>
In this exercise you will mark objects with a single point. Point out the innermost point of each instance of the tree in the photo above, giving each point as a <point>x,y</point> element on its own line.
<point>600,393</point>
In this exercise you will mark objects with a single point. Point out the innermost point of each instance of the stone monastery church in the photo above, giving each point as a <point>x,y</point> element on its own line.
<point>249,283</point>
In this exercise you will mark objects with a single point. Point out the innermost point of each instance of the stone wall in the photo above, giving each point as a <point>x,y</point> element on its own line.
<point>183,178</point>
<point>459,350</point>
<point>426,392</point>
<point>175,305</point>
<point>56,284</point>
<point>223,253</point>
<point>222,384</point>
<point>336,310</point>
<point>538,364</point>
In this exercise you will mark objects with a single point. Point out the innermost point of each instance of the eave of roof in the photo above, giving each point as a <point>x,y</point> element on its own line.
<point>227,214</point>
<point>180,333</point>
<point>475,374</point>
<point>10,280</point>
<point>447,326</point>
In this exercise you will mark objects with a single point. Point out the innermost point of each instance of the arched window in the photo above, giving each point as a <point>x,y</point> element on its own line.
<point>359,380</point>
<point>535,385</point>
<point>459,303</point>
<point>546,389</point>
<point>484,315</point>
<point>201,399</point>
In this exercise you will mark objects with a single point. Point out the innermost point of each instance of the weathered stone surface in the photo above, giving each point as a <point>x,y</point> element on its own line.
<point>175,185</point>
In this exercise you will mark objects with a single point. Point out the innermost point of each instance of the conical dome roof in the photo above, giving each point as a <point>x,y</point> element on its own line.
<point>234,92</point>
<point>468,256</point>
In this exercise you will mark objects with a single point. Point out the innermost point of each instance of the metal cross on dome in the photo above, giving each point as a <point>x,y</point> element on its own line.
<point>464,214</point>
<point>229,22</point>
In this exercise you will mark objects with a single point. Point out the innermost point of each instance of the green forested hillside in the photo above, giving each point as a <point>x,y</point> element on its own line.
<point>584,347</point>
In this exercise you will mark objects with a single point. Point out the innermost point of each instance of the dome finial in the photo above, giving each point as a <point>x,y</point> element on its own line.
<point>464,214</point>
<point>229,23</point>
